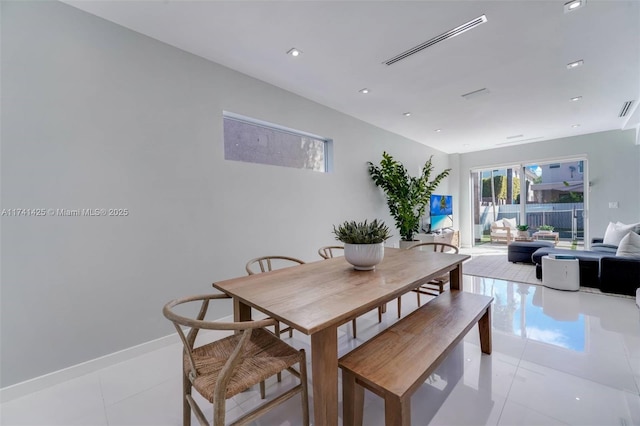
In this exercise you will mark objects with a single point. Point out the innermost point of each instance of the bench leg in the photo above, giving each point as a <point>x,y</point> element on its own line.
<point>484,326</point>
<point>397,411</point>
<point>352,400</point>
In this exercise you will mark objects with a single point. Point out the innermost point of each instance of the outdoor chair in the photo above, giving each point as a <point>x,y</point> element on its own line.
<point>503,230</point>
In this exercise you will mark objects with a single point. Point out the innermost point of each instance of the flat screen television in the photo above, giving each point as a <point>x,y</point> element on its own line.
<point>441,212</point>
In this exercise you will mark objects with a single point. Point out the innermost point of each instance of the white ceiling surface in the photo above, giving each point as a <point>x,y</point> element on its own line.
<point>519,55</point>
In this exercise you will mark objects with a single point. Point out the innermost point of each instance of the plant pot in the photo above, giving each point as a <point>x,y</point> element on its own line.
<point>364,257</point>
<point>408,244</point>
<point>523,234</point>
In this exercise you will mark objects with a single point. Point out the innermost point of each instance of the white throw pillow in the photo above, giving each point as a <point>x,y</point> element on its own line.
<point>611,228</point>
<point>510,223</point>
<point>615,232</point>
<point>498,224</point>
<point>629,246</point>
<point>636,226</point>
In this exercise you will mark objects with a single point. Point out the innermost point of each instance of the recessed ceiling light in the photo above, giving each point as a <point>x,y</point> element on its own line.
<point>406,114</point>
<point>573,5</point>
<point>575,125</point>
<point>294,52</point>
<point>576,99</point>
<point>365,90</point>
<point>437,130</point>
<point>575,64</point>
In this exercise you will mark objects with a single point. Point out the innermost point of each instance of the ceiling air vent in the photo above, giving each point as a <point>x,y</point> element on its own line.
<point>476,93</point>
<point>444,36</point>
<point>520,141</point>
<point>625,108</point>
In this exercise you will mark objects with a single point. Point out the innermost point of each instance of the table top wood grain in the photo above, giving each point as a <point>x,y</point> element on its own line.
<point>317,295</point>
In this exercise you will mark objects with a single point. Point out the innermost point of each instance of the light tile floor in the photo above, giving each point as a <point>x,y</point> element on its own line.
<point>558,358</point>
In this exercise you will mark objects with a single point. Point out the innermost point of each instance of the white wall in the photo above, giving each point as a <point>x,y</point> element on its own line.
<point>97,116</point>
<point>613,164</point>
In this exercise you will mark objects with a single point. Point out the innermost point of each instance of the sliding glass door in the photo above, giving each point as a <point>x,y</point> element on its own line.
<point>547,193</point>
<point>556,199</point>
<point>496,195</point>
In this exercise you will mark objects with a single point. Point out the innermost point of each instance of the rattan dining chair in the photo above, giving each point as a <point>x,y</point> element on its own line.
<point>436,285</point>
<point>223,368</point>
<point>266,263</point>
<point>328,252</point>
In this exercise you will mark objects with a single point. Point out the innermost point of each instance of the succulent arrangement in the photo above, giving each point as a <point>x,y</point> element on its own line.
<point>545,228</point>
<point>523,227</point>
<point>374,232</point>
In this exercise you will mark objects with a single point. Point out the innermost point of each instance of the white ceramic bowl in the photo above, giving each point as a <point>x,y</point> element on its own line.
<point>364,257</point>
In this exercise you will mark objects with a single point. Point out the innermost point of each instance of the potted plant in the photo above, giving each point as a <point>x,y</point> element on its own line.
<point>523,231</point>
<point>545,228</point>
<point>363,242</point>
<point>407,196</point>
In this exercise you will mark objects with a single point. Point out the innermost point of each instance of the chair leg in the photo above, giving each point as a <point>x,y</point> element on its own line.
<point>399,306</point>
<point>380,312</point>
<point>290,332</point>
<point>263,392</point>
<point>305,392</point>
<point>277,329</point>
<point>219,410</point>
<point>353,325</point>
<point>418,296</point>
<point>186,408</point>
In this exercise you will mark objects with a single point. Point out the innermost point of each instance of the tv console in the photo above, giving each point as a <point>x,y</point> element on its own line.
<point>449,236</point>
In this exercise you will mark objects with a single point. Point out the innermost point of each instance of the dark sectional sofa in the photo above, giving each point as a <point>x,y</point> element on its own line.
<point>521,251</point>
<point>599,268</point>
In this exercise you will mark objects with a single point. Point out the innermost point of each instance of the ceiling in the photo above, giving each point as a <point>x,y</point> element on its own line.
<point>519,55</point>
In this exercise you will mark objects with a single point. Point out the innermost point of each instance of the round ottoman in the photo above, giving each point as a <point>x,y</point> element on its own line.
<point>561,274</point>
<point>521,251</point>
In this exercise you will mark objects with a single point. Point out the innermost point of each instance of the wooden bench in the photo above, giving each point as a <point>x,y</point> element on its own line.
<point>396,362</point>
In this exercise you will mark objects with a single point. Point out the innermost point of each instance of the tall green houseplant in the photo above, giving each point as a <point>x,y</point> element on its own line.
<point>407,196</point>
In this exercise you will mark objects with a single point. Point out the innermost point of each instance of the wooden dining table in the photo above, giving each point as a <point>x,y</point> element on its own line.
<point>316,298</point>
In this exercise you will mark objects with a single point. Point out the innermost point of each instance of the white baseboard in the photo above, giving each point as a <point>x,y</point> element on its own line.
<point>54,378</point>
<point>39,383</point>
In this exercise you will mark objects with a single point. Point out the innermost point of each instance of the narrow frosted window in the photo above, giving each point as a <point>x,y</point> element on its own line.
<point>254,141</point>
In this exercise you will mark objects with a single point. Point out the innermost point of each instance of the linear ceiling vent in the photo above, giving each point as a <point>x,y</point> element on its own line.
<point>476,93</point>
<point>520,141</point>
<point>625,108</point>
<point>444,36</point>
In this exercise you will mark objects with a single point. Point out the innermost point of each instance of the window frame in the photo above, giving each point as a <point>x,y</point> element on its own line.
<point>327,142</point>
